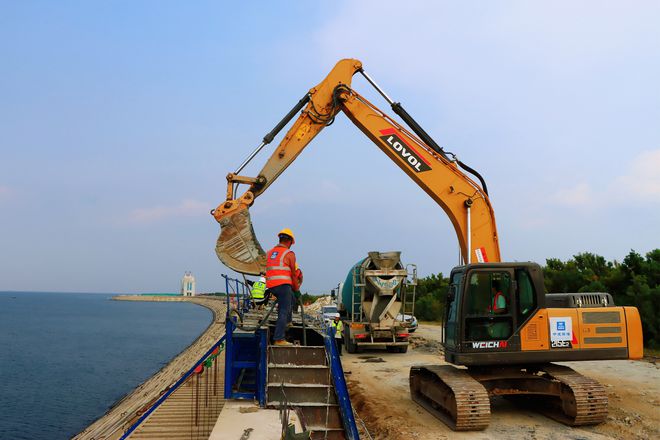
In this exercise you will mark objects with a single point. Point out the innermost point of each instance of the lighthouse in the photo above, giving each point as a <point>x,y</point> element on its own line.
<point>188,284</point>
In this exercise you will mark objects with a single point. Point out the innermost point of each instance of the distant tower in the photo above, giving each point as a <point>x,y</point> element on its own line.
<point>188,284</point>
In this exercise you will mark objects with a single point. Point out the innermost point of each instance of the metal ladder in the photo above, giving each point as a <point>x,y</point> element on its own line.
<point>408,294</point>
<point>356,297</point>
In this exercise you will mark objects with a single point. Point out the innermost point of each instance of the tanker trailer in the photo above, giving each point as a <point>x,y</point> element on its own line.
<point>377,290</point>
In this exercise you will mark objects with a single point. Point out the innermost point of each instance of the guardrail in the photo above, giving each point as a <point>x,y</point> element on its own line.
<point>238,294</point>
<point>218,345</point>
<point>338,380</point>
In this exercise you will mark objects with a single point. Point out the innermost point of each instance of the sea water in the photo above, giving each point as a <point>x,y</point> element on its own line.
<point>65,358</point>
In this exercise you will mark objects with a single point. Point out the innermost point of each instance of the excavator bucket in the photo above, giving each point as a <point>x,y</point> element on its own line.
<point>237,246</point>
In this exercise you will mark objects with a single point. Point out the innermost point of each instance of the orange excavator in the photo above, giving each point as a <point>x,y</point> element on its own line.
<point>500,326</point>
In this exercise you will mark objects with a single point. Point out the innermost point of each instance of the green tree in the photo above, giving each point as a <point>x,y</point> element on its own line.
<point>563,277</point>
<point>430,297</point>
<point>428,308</point>
<point>634,282</point>
<point>307,298</point>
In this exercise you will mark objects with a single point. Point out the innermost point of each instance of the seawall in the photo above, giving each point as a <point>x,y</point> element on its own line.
<point>129,408</point>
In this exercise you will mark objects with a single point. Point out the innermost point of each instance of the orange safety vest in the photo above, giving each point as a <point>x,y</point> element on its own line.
<point>276,272</point>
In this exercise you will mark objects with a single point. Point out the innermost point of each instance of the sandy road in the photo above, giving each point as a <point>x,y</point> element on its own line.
<point>380,394</point>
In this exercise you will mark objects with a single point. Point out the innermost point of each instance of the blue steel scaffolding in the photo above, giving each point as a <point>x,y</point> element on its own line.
<point>245,352</point>
<point>246,357</point>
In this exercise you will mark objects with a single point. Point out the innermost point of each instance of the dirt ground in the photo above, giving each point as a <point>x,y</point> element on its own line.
<point>378,384</point>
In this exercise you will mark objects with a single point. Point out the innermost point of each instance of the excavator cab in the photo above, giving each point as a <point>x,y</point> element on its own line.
<point>487,305</point>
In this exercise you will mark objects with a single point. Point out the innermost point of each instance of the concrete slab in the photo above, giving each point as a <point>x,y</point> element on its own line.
<point>237,416</point>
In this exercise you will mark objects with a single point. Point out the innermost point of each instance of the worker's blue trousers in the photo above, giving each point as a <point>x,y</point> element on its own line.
<point>284,296</point>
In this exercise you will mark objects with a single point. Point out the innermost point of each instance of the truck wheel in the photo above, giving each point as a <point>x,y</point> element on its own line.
<point>350,344</point>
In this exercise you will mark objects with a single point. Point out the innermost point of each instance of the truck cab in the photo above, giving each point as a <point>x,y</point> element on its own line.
<point>328,313</point>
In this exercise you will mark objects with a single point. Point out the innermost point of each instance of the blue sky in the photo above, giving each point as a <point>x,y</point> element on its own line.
<point>120,120</point>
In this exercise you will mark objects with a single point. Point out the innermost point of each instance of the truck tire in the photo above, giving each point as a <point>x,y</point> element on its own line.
<point>350,344</point>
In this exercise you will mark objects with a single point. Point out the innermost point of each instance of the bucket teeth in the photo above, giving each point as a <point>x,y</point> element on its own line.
<point>237,246</point>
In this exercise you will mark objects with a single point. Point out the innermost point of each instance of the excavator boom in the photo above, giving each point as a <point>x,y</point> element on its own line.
<point>463,200</point>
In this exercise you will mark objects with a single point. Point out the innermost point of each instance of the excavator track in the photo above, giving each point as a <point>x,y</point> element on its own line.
<point>452,395</point>
<point>460,397</point>
<point>582,400</point>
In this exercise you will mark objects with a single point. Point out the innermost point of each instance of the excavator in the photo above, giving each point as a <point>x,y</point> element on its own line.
<point>502,332</point>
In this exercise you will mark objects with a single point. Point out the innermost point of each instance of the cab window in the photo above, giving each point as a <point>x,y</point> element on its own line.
<point>488,306</point>
<point>453,289</point>
<point>453,302</point>
<point>488,293</point>
<point>526,295</point>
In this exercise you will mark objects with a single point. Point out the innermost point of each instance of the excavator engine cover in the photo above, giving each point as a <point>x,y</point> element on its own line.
<point>237,246</point>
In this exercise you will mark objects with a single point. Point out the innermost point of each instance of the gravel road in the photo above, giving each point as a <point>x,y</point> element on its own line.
<point>380,394</point>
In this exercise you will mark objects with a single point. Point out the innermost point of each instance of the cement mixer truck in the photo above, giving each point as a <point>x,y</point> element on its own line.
<point>377,290</point>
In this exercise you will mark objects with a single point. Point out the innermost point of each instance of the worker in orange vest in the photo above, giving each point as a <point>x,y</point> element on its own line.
<point>281,280</point>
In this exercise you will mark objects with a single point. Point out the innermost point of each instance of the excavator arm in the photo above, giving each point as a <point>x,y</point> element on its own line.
<point>463,200</point>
